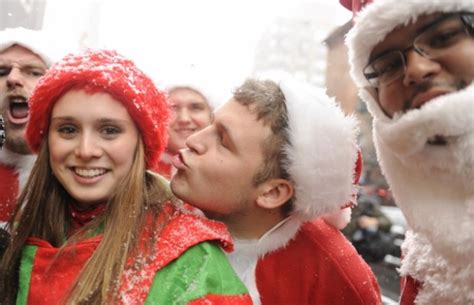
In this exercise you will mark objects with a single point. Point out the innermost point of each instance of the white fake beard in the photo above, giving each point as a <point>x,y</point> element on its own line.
<point>434,184</point>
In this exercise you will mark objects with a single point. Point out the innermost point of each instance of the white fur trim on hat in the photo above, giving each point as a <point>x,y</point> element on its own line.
<point>379,18</point>
<point>194,79</point>
<point>36,41</point>
<point>212,101</point>
<point>322,152</point>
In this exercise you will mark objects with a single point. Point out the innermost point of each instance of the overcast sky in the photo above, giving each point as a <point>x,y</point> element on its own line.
<point>166,37</point>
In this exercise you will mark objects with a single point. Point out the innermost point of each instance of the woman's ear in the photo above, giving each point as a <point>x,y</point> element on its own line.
<point>275,193</point>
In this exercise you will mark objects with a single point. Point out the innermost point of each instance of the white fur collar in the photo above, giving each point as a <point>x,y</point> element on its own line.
<point>444,280</point>
<point>21,163</point>
<point>247,252</point>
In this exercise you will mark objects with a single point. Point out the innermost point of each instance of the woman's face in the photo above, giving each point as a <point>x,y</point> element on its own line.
<point>92,141</point>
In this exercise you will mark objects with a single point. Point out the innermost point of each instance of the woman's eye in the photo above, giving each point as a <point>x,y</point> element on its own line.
<point>110,130</point>
<point>66,129</point>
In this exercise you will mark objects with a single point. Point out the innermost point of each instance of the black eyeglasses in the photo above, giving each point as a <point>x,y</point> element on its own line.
<point>443,34</point>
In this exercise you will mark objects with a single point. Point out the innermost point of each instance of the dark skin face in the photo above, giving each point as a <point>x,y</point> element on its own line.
<point>424,78</point>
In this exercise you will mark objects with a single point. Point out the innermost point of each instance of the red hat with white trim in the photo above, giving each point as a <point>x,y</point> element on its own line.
<point>324,160</point>
<point>102,71</point>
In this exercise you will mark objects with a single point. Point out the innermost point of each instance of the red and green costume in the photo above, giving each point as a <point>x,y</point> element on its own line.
<point>187,268</point>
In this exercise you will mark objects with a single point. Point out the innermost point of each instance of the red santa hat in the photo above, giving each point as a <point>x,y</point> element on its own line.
<point>102,71</point>
<point>324,159</point>
<point>37,42</point>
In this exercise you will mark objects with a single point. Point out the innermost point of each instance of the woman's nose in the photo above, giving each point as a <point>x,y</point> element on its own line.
<point>88,147</point>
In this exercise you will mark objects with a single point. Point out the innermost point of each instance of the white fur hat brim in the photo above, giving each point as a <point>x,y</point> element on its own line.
<point>212,100</point>
<point>322,153</point>
<point>36,41</point>
<point>379,18</point>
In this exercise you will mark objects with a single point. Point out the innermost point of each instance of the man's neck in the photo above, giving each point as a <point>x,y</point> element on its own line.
<point>254,225</point>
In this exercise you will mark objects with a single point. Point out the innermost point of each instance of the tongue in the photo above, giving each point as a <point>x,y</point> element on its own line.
<point>19,111</point>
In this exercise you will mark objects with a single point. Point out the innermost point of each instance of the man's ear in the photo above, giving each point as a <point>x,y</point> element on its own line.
<point>275,193</point>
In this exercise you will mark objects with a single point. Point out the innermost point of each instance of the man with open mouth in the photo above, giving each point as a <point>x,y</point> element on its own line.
<point>24,57</point>
<point>413,62</point>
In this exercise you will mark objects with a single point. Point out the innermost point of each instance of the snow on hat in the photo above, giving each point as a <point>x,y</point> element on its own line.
<point>324,159</point>
<point>36,41</point>
<point>377,18</point>
<point>102,71</point>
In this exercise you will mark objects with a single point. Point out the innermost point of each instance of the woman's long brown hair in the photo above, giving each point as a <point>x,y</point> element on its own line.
<point>43,211</point>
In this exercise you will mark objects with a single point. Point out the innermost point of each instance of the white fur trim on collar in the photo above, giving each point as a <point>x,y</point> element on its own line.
<point>381,17</point>
<point>322,152</point>
<point>36,41</point>
<point>444,281</point>
<point>247,252</point>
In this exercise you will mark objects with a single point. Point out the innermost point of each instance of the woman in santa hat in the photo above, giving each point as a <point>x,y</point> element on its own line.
<point>95,227</point>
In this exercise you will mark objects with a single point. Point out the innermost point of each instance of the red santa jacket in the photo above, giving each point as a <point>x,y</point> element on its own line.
<point>8,191</point>
<point>14,170</point>
<point>305,264</point>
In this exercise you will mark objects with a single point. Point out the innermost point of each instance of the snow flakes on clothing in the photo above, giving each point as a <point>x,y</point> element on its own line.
<point>182,232</point>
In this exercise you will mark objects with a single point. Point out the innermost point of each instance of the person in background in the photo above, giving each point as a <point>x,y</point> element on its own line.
<point>369,230</point>
<point>95,226</point>
<point>25,55</point>
<point>413,63</point>
<point>192,105</point>
<point>278,155</point>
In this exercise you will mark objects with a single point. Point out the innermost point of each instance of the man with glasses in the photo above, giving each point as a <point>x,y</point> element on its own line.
<point>413,62</point>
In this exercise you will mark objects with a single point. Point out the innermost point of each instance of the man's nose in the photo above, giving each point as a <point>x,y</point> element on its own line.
<point>197,141</point>
<point>15,78</point>
<point>419,68</point>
